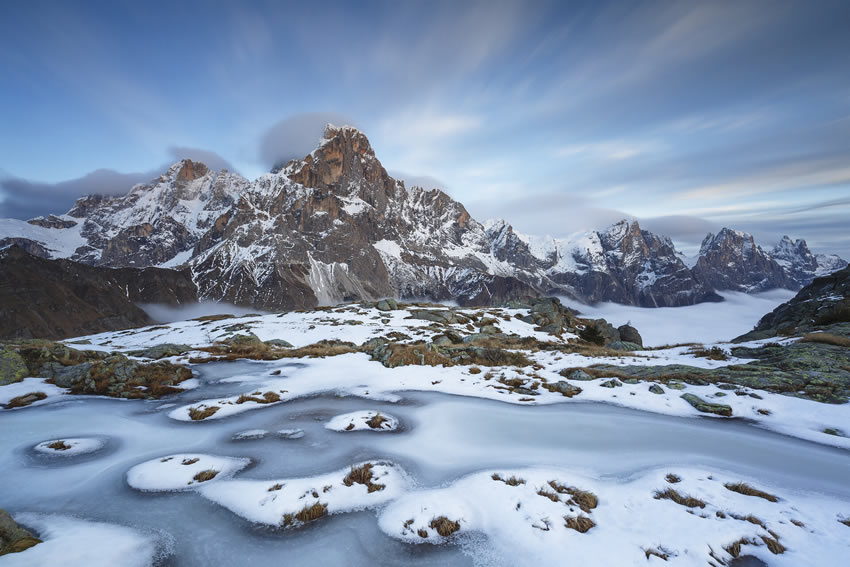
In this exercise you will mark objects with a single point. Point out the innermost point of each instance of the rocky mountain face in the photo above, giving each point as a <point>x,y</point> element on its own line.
<point>822,304</point>
<point>731,260</point>
<point>60,298</point>
<point>335,226</point>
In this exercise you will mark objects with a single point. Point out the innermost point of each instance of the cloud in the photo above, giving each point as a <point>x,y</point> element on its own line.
<point>296,136</point>
<point>24,199</point>
<point>207,157</point>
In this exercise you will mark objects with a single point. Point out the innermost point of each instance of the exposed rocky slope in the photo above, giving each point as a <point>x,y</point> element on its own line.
<point>59,298</point>
<point>823,303</point>
<point>335,226</point>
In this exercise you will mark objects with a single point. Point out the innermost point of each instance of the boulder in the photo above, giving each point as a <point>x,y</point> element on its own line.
<point>12,367</point>
<point>630,335</point>
<point>707,407</point>
<point>14,538</point>
<point>563,387</point>
<point>624,346</point>
<point>162,351</point>
<point>388,304</point>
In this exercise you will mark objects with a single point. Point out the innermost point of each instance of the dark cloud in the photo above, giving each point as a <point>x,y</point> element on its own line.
<point>25,199</point>
<point>296,136</point>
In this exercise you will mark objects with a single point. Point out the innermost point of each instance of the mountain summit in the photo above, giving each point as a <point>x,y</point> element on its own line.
<point>335,226</point>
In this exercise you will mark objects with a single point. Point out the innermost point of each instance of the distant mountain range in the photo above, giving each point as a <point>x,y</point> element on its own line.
<point>335,226</point>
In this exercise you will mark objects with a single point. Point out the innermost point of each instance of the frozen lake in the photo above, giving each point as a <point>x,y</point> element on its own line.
<point>441,438</point>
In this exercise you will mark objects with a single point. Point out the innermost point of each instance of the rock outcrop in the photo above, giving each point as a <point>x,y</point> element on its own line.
<point>59,298</point>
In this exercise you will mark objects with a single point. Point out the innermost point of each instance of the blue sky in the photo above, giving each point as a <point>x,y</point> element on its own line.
<point>557,116</point>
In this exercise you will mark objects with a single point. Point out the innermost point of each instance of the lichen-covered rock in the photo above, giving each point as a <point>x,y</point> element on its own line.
<point>162,351</point>
<point>612,383</point>
<point>12,367</point>
<point>279,343</point>
<point>656,389</point>
<point>563,387</point>
<point>388,304</point>
<point>14,538</point>
<point>576,374</point>
<point>707,407</point>
<point>624,346</point>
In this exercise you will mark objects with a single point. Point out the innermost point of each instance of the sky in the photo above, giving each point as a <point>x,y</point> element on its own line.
<point>557,116</point>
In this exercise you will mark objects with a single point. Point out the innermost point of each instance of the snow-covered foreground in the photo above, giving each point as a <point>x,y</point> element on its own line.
<point>295,462</point>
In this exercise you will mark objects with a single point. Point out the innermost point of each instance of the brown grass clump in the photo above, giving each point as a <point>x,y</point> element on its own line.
<point>423,533</point>
<point>580,523</point>
<point>673,478</point>
<point>206,475</point>
<point>514,481</point>
<point>59,446</point>
<point>362,475</point>
<point>826,338</point>
<point>306,514</point>
<point>713,353</point>
<point>268,398</point>
<point>799,524</point>
<point>444,526</point>
<point>845,521</point>
<point>657,552</point>
<point>376,421</point>
<point>749,518</point>
<point>585,500</point>
<point>349,427</point>
<point>687,501</point>
<point>320,350</point>
<point>275,487</point>
<point>190,461</point>
<point>547,494</point>
<point>475,370</point>
<point>25,400</point>
<point>773,545</point>
<point>747,490</point>
<point>198,414</point>
<point>734,548</point>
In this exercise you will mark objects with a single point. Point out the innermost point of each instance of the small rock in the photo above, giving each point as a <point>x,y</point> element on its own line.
<point>707,407</point>
<point>279,343</point>
<point>656,389</point>
<point>675,385</point>
<point>577,374</point>
<point>612,383</point>
<point>563,387</point>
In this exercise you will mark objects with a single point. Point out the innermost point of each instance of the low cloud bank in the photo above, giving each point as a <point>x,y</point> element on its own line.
<point>162,313</point>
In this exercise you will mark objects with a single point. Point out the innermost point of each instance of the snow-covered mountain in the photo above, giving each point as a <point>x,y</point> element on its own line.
<point>335,226</point>
<point>731,260</point>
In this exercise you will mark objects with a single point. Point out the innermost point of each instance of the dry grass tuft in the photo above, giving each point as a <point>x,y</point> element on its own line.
<point>749,518</point>
<point>198,414</point>
<point>550,495</point>
<point>826,338</point>
<point>349,427</point>
<point>423,533</point>
<point>206,475</point>
<point>376,421</point>
<point>713,353</point>
<point>362,475</point>
<point>475,370</point>
<point>25,400</point>
<point>275,487</point>
<point>514,481</point>
<point>190,461</point>
<point>657,552</point>
<point>444,526</point>
<point>845,521</point>
<point>673,478</point>
<point>268,398</point>
<point>305,515</point>
<point>585,500</point>
<point>773,545</point>
<point>747,490</point>
<point>687,501</point>
<point>799,524</point>
<point>59,446</point>
<point>579,523</point>
<point>734,548</point>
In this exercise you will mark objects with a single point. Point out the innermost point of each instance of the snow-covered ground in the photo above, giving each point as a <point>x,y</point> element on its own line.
<point>385,493</point>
